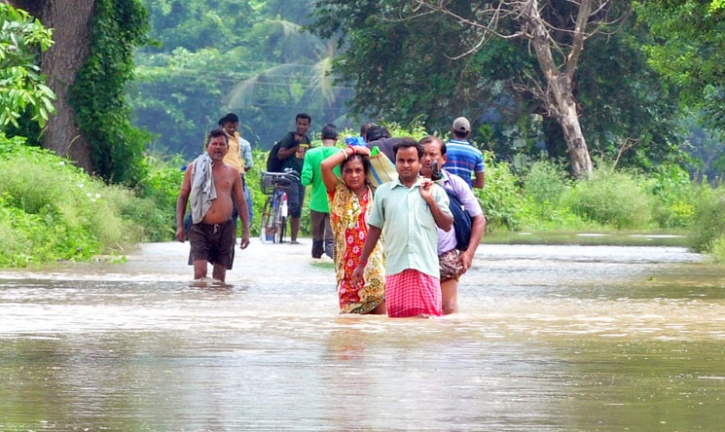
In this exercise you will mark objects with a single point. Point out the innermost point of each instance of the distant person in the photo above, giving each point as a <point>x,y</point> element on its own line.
<point>378,136</point>
<point>464,160</point>
<point>452,263</point>
<point>364,128</point>
<point>350,200</point>
<point>322,238</point>
<point>292,151</point>
<point>211,184</point>
<point>406,212</point>
<point>239,156</point>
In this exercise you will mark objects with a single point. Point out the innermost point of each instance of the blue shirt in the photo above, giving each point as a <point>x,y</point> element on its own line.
<point>409,230</point>
<point>463,160</point>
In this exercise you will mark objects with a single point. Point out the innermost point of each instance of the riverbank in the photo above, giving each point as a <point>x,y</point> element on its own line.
<point>591,238</point>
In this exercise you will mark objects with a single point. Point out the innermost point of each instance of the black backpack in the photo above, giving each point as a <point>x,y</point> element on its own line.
<point>274,163</point>
<point>462,221</point>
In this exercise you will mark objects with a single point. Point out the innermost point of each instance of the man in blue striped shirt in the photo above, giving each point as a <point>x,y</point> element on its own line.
<point>464,160</point>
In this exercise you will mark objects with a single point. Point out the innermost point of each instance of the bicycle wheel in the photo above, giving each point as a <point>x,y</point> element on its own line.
<point>267,226</point>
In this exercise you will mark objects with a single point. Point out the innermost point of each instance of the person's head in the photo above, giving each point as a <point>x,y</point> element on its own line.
<point>302,123</point>
<point>329,133</point>
<point>375,133</point>
<point>461,127</point>
<point>217,144</point>
<point>229,123</point>
<point>408,153</point>
<point>433,150</point>
<point>354,171</point>
<point>365,128</point>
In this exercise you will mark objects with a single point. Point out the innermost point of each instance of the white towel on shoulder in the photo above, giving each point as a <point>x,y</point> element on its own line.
<point>203,190</point>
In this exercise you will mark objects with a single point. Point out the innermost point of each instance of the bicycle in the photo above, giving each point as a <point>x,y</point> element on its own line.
<point>274,212</point>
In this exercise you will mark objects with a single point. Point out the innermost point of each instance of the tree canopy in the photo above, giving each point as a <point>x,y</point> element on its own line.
<point>250,58</point>
<point>688,49</point>
<point>410,61</point>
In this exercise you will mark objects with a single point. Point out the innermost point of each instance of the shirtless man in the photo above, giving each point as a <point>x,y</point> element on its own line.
<point>212,234</point>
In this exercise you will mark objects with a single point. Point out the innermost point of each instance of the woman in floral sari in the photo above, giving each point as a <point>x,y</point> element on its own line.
<point>350,198</point>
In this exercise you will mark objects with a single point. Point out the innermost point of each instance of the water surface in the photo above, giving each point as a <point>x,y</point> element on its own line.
<point>549,338</point>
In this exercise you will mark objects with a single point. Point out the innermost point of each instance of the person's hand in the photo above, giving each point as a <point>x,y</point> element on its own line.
<point>361,150</point>
<point>180,234</point>
<point>245,240</point>
<point>426,190</point>
<point>357,274</point>
<point>465,258</point>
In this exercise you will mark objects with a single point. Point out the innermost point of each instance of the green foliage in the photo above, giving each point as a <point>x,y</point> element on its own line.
<point>688,49</point>
<point>22,87</point>
<point>501,197</point>
<point>250,58</point>
<point>709,224</point>
<point>390,45</point>
<point>717,251</point>
<point>98,95</point>
<point>674,195</point>
<point>51,210</point>
<point>545,184</point>
<point>612,198</point>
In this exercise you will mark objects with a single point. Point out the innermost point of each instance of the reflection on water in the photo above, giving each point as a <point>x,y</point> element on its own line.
<point>550,338</point>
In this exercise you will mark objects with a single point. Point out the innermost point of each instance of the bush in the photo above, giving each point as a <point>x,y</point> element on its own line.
<point>674,192</point>
<point>709,224</point>
<point>611,198</point>
<point>51,210</point>
<point>501,198</point>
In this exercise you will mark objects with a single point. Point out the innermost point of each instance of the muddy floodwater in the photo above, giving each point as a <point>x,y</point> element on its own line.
<point>549,338</point>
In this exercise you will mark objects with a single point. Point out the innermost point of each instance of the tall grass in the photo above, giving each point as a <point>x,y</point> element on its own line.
<point>613,199</point>
<point>50,210</point>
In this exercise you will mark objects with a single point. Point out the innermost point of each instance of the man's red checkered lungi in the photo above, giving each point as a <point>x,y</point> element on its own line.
<point>412,293</point>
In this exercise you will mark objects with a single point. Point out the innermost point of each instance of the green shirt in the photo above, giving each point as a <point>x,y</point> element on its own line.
<point>312,175</point>
<point>288,141</point>
<point>409,230</point>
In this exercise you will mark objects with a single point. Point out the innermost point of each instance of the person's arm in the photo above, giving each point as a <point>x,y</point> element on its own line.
<point>246,147</point>
<point>478,182</point>
<point>370,242</point>
<point>443,218</point>
<point>478,227</point>
<point>238,191</point>
<point>289,146</point>
<point>181,203</point>
<point>329,178</point>
<point>308,174</point>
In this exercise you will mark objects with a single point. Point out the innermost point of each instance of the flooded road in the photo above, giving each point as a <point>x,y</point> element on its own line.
<point>549,338</point>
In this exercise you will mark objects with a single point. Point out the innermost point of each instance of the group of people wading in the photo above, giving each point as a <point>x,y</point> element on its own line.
<point>393,244</point>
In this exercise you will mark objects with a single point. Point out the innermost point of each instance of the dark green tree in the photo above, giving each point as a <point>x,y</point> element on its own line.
<point>87,68</point>
<point>688,49</point>
<point>409,62</point>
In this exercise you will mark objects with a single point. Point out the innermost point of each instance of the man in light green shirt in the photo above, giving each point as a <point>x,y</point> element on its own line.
<point>322,238</point>
<point>406,212</point>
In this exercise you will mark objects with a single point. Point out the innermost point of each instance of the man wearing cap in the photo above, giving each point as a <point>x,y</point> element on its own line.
<point>464,160</point>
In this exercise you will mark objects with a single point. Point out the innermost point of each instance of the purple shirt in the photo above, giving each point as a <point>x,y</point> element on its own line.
<point>459,187</point>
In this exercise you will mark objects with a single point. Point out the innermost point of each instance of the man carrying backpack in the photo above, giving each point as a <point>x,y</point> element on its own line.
<point>292,149</point>
<point>452,260</point>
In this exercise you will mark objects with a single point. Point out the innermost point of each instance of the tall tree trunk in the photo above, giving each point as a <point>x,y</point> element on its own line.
<point>71,24</point>
<point>559,97</point>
